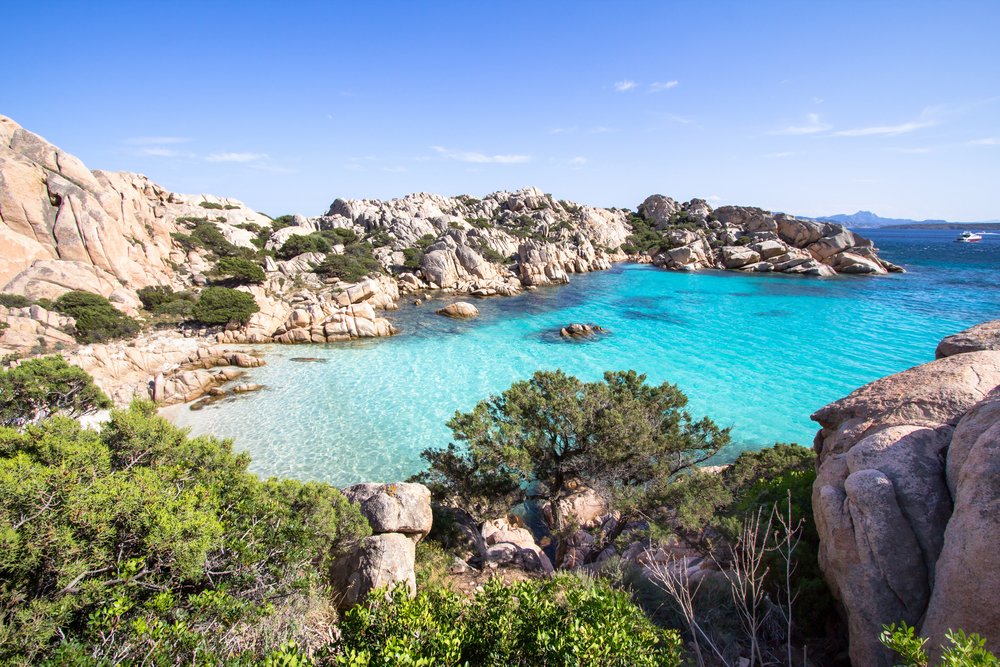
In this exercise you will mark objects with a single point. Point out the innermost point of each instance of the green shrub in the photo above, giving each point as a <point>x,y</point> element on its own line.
<point>210,205</point>
<point>355,264</point>
<point>163,300</point>
<point>14,301</point>
<point>139,545</point>
<point>962,650</point>
<point>221,305</point>
<point>38,388</point>
<point>240,271</point>
<point>303,243</point>
<point>97,320</point>
<point>561,621</point>
<point>206,235</point>
<point>340,235</point>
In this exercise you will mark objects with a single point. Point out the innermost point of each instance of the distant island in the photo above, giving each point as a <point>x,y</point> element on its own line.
<point>867,219</point>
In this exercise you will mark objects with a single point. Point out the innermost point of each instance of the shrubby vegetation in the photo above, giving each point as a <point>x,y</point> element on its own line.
<point>163,300</point>
<point>205,234</point>
<point>961,651</point>
<point>415,255</point>
<point>97,321</point>
<point>39,388</point>
<point>303,243</point>
<point>14,301</point>
<point>565,620</point>
<point>239,271</point>
<point>222,305</point>
<point>139,541</point>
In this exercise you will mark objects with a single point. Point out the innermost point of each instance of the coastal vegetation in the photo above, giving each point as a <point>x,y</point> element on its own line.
<point>222,305</point>
<point>97,320</point>
<point>239,271</point>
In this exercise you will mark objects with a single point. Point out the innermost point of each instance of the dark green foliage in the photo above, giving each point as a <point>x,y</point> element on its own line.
<point>621,437</point>
<point>38,388</point>
<point>340,235</point>
<point>282,221</point>
<point>97,320</point>
<point>561,621</point>
<point>415,256</point>
<point>139,541</point>
<point>14,301</point>
<point>221,305</point>
<point>379,238</point>
<point>644,238</point>
<point>961,651</point>
<point>210,205</point>
<point>355,264</point>
<point>206,235</point>
<point>240,271</point>
<point>162,300</point>
<point>303,243</point>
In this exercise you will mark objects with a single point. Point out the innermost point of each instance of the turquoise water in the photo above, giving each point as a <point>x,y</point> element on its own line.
<point>759,353</point>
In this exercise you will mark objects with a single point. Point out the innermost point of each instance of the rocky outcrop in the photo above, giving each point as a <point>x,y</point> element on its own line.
<point>578,331</point>
<point>459,310</point>
<point>399,516</point>
<point>34,328</point>
<point>906,499</point>
<point>512,544</point>
<point>985,336</point>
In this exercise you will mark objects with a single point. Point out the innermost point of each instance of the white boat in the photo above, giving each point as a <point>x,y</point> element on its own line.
<point>969,237</point>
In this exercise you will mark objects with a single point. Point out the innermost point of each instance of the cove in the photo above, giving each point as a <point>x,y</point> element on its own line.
<point>758,353</point>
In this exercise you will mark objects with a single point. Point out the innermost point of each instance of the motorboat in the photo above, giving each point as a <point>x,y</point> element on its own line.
<point>969,237</point>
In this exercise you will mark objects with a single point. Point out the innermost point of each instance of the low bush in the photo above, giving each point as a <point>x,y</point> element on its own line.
<point>139,545</point>
<point>303,243</point>
<point>355,264</point>
<point>961,651</point>
<point>239,271</point>
<point>14,301</point>
<point>39,388</point>
<point>222,305</point>
<point>97,320</point>
<point>565,620</point>
<point>207,236</point>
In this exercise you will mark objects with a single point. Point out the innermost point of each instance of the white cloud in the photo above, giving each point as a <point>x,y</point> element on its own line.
<point>779,155</point>
<point>480,158</point>
<point>603,130</point>
<point>157,141</point>
<point>916,150</point>
<point>625,86</point>
<point>817,100</point>
<point>886,130</point>
<point>562,130</point>
<point>814,124</point>
<point>578,161</point>
<point>988,141</point>
<point>660,86</point>
<point>715,198</point>
<point>235,157</point>
<point>159,151</point>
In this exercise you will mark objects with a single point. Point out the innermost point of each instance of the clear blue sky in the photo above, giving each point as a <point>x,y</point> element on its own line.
<point>808,107</point>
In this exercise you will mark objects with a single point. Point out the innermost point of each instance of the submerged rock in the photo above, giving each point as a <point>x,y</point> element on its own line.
<point>581,331</point>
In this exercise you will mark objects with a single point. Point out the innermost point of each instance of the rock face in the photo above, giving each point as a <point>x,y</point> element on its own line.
<point>581,331</point>
<point>400,516</point>
<point>906,499</point>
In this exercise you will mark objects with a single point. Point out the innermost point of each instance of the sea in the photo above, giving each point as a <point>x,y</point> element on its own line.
<point>755,352</point>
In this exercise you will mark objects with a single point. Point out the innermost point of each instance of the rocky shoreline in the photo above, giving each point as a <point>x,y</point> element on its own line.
<point>64,227</point>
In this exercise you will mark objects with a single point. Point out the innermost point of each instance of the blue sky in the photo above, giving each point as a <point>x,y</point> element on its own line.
<point>812,108</point>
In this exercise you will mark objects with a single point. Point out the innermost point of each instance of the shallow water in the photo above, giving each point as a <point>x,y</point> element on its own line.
<point>759,353</point>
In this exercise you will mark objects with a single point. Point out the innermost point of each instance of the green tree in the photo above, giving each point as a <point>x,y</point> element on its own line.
<point>623,438</point>
<point>41,387</point>
<point>303,243</point>
<point>356,263</point>
<point>97,320</point>
<point>139,545</point>
<point>221,305</point>
<point>240,271</point>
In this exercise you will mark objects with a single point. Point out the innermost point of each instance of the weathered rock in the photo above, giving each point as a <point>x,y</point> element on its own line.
<point>394,508</point>
<point>513,544</point>
<point>985,336</point>
<point>577,330</point>
<point>584,507</point>
<point>459,310</point>
<point>734,257</point>
<point>893,547</point>
<point>380,561</point>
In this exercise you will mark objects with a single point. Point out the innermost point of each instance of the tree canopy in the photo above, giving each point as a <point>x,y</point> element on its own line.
<point>44,386</point>
<point>623,438</point>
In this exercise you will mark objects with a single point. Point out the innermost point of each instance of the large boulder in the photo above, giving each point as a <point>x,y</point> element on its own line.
<point>902,501</point>
<point>459,310</point>
<point>659,209</point>
<point>379,561</point>
<point>394,508</point>
<point>985,336</point>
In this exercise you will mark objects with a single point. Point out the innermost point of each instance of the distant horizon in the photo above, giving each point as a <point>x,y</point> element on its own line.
<point>810,109</point>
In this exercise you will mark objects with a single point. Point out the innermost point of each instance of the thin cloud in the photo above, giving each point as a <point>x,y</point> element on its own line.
<point>394,170</point>
<point>603,130</point>
<point>157,141</point>
<point>886,130</point>
<point>916,150</point>
<point>988,141</point>
<point>660,86</point>
<point>814,125</point>
<point>780,155</point>
<point>714,198</point>
<point>480,158</point>
<point>562,130</point>
<point>625,86</point>
<point>235,157</point>
<point>578,161</point>
<point>159,151</point>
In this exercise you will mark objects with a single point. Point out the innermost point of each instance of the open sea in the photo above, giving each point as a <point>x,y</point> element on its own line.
<point>759,353</point>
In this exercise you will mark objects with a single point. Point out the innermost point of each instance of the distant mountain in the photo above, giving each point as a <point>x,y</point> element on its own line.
<point>867,219</point>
